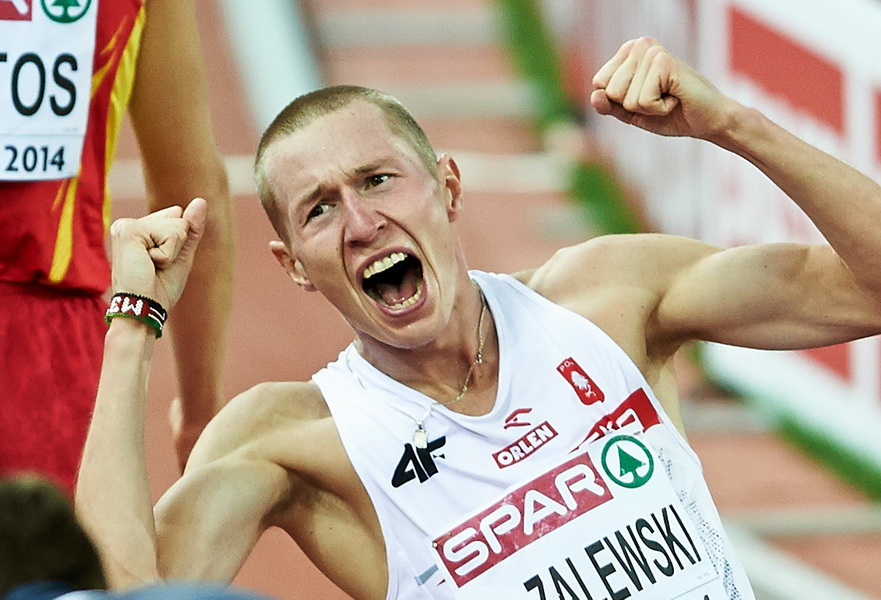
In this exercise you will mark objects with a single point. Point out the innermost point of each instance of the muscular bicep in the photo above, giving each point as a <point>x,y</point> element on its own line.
<point>773,296</point>
<point>244,475</point>
<point>210,520</point>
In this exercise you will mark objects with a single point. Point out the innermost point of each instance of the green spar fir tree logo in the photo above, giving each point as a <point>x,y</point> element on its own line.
<point>628,464</point>
<point>627,461</point>
<point>66,11</point>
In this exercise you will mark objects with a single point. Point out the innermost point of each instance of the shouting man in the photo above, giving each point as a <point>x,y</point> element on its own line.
<point>537,411</point>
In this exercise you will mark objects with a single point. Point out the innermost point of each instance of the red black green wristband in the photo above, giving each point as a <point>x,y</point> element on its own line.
<point>141,308</point>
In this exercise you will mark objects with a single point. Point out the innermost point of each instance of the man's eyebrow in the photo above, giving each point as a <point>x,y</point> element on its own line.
<point>309,197</point>
<point>371,167</point>
<point>319,189</point>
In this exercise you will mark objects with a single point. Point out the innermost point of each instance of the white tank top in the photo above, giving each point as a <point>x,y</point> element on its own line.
<point>575,485</point>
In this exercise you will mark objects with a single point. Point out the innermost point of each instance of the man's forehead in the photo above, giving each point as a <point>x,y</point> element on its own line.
<point>355,132</point>
<point>359,116</point>
<point>346,142</point>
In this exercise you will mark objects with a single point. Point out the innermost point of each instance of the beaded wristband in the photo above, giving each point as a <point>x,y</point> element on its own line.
<point>132,306</point>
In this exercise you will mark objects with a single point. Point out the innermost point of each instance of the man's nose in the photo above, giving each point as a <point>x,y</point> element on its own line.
<point>363,222</point>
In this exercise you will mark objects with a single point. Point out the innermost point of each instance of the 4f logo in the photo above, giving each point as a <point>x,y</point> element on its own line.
<point>417,463</point>
<point>588,391</point>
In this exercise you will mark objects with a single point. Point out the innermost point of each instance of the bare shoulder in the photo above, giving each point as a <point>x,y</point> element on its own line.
<point>636,261</point>
<point>618,282</point>
<point>259,414</point>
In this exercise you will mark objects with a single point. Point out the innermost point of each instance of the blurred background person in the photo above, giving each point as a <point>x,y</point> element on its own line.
<point>45,554</point>
<point>41,544</point>
<point>72,69</point>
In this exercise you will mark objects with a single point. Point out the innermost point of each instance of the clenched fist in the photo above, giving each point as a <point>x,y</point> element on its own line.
<point>152,256</point>
<point>646,86</point>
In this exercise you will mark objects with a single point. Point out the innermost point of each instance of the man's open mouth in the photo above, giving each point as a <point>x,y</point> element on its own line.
<point>394,281</point>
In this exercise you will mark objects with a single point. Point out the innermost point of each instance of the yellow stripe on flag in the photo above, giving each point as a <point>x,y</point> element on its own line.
<point>119,98</point>
<point>64,239</point>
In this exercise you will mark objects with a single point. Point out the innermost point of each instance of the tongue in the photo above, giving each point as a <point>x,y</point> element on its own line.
<point>395,294</point>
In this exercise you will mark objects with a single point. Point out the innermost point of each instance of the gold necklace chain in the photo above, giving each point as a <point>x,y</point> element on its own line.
<point>420,436</point>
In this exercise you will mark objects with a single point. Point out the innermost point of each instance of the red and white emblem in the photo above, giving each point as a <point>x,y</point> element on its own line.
<point>15,10</point>
<point>588,391</point>
<point>514,419</point>
<point>636,409</point>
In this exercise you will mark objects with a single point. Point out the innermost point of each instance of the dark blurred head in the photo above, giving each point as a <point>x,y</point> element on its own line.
<point>41,540</point>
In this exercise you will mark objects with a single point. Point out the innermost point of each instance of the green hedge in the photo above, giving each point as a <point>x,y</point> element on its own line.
<point>536,59</point>
<point>852,469</point>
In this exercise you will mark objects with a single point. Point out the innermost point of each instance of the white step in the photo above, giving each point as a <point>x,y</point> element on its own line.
<point>415,27</point>
<point>466,100</point>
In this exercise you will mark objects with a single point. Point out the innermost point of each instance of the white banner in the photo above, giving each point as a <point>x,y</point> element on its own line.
<point>813,68</point>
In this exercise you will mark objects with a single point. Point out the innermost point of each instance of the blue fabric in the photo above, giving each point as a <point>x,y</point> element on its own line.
<point>41,590</point>
<point>50,590</point>
<point>186,591</point>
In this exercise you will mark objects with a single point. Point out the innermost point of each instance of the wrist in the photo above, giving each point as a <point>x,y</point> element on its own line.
<point>198,416</point>
<point>738,126</point>
<point>196,409</point>
<point>139,308</point>
<point>129,337</point>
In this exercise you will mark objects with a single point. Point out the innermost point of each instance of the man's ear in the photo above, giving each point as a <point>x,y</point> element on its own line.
<point>448,171</point>
<point>292,266</point>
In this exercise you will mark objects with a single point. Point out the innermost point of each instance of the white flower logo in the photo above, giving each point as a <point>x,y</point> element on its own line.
<point>582,383</point>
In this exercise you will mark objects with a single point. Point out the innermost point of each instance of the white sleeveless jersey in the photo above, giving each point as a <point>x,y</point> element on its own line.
<point>576,485</point>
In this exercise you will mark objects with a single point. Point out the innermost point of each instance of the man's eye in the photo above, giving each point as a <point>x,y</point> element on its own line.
<point>375,180</point>
<point>318,210</point>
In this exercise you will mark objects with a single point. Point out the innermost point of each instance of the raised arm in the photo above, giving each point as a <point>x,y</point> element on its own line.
<point>770,296</point>
<point>151,258</point>
<point>170,114</point>
<point>226,501</point>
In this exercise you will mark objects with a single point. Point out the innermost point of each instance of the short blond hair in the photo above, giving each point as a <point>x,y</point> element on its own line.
<point>309,107</point>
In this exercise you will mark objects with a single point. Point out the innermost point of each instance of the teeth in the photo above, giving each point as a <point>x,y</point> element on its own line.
<point>384,263</point>
<point>409,301</point>
<point>402,304</point>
